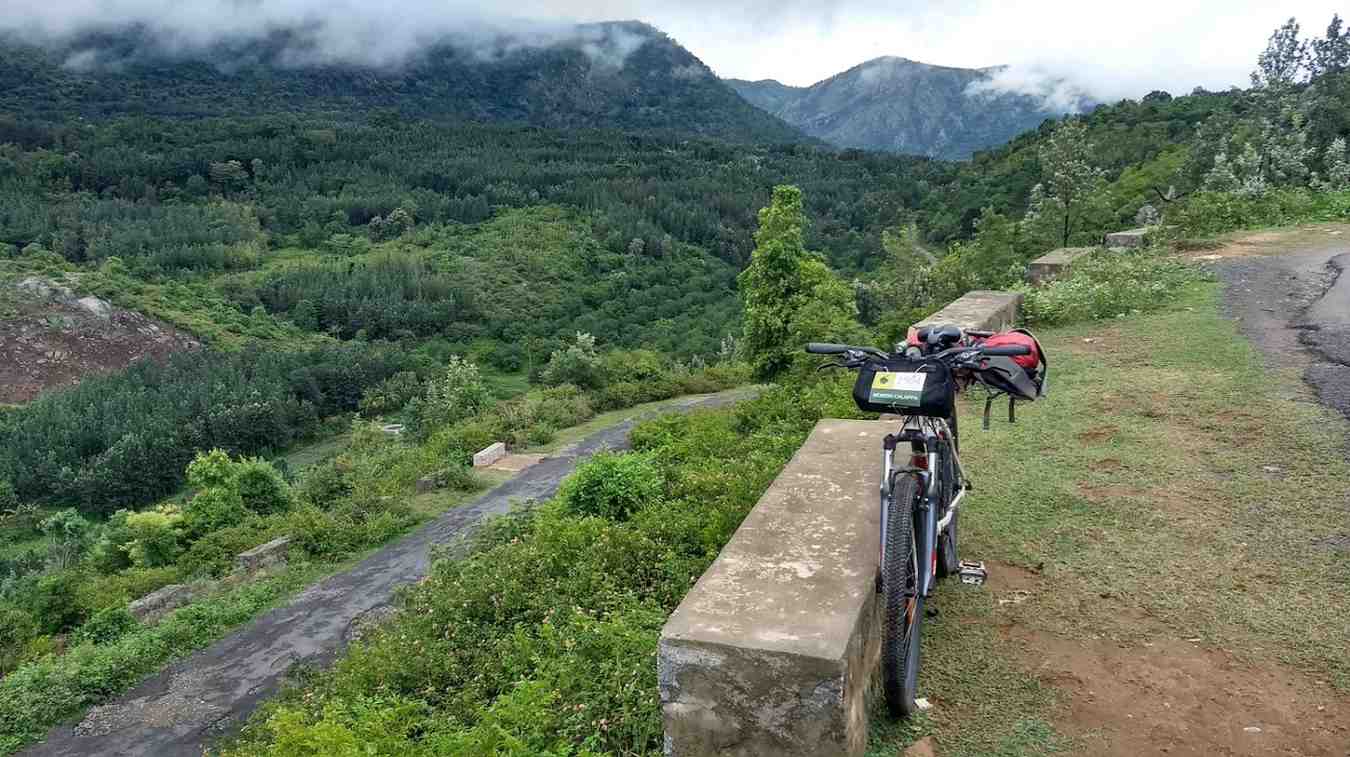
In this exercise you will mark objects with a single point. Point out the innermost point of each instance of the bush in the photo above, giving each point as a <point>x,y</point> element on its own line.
<point>458,394</point>
<point>261,486</point>
<point>213,509</point>
<point>1107,285</point>
<point>17,629</point>
<point>577,364</point>
<point>108,625</point>
<point>391,395</point>
<point>612,485</point>
<point>324,483</point>
<point>155,536</point>
<point>55,603</point>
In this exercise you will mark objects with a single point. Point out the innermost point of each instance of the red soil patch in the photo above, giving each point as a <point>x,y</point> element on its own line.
<point>55,339</point>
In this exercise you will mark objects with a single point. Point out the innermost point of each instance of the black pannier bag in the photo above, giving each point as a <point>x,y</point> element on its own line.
<point>906,387</point>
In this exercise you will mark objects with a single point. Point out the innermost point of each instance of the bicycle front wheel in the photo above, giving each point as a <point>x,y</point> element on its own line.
<point>902,597</point>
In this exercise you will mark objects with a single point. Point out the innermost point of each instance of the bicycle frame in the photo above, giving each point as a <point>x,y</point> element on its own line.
<point>923,435</point>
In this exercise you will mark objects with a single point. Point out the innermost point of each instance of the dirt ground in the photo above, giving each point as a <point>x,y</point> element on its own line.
<point>51,338</point>
<point>1173,696</point>
<point>1133,684</point>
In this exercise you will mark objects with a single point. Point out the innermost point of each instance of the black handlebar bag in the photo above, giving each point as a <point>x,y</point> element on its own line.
<point>906,387</point>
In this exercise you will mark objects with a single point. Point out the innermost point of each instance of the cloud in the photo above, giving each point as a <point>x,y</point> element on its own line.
<point>1107,50</point>
<point>1056,93</point>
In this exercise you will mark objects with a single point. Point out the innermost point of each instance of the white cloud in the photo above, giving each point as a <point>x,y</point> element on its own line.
<point>1110,50</point>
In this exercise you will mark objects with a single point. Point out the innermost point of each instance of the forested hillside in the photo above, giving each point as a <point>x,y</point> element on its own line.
<point>616,75</point>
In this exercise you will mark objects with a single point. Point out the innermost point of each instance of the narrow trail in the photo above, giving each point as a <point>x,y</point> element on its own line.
<point>183,708</point>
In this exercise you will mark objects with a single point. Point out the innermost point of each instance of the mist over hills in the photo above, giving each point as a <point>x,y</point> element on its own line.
<point>624,75</point>
<point>899,105</point>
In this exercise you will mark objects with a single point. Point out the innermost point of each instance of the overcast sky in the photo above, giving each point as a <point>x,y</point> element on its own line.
<point>1121,49</point>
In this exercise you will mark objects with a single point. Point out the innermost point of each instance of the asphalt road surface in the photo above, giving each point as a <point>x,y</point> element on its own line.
<point>1294,304</point>
<point>183,708</point>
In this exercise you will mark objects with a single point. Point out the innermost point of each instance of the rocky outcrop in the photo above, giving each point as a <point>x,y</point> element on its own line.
<point>54,337</point>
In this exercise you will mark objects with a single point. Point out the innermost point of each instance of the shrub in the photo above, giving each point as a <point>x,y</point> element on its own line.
<point>1109,285</point>
<point>9,500</point>
<point>109,624</point>
<point>54,601</point>
<point>458,394</point>
<point>17,628</point>
<point>324,484</point>
<point>261,486</point>
<point>577,364</point>
<point>155,536</point>
<point>391,395</point>
<point>213,509</point>
<point>612,485</point>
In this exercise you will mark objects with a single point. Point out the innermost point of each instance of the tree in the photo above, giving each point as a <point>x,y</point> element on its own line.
<point>790,296</point>
<point>1067,177</point>
<point>1282,63</point>
<point>1331,54</point>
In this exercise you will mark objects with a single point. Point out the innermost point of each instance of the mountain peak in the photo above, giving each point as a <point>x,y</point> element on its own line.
<point>901,105</point>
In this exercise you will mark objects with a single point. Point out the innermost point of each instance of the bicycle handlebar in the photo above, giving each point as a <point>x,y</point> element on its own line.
<point>823,348</point>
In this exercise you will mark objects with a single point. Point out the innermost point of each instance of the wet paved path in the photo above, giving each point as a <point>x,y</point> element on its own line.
<point>1294,304</point>
<point>181,709</point>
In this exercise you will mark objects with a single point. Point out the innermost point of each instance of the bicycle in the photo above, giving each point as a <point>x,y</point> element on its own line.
<point>920,501</point>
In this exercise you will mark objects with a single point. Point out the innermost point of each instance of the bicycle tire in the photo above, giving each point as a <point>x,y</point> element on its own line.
<point>903,600</point>
<point>948,546</point>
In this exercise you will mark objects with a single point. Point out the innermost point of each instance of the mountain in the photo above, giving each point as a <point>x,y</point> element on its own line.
<point>624,75</point>
<point>900,105</point>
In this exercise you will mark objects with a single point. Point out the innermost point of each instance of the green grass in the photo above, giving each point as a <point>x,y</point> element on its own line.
<point>569,436</point>
<point>505,386</point>
<point>1142,488</point>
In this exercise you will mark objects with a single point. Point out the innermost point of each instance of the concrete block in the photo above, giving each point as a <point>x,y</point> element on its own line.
<point>1128,239</point>
<point>160,602</point>
<point>1055,264</point>
<point>773,650</point>
<point>428,484</point>
<point>264,555</point>
<point>980,311</point>
<point>490,455</point>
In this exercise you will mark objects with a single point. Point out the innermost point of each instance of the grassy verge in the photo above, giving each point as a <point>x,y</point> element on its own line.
<point>1170,487</point>
<point>570,436</point>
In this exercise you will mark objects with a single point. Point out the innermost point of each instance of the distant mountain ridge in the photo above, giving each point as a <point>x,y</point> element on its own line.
<point>624,75</point>
<point>899,105</point>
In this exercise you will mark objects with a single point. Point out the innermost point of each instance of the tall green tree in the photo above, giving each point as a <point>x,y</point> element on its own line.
<point>790,296</point>
<point>1068,179</point>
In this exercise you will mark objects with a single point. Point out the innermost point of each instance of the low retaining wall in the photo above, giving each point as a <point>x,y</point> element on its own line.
<point>979,310</point>
<point>1128,239</point>
<point>772,651</point>
<point>489,455</point>
<point>1055,264</point>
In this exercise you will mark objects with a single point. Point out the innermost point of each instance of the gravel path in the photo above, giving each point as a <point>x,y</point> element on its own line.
<point>180,710</point>
<point>1294,304</point>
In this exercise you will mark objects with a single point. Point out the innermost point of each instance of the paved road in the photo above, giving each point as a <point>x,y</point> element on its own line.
<point>1295,306</point>
<point>184,707</point>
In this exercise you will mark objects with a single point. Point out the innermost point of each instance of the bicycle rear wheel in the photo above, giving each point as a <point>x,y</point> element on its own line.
<point>903,600</point>
<point>949,483</point>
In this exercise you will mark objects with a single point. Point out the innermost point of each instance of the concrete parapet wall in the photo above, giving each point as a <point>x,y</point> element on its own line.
<point>1128,239</point>
<point>264,555</point>
<point>773,650</point>
<point>489,455</point>
<point>979,310</point>
<point>1055,264</point>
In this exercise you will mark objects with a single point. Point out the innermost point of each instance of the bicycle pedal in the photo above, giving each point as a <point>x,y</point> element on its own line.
<point>973,573</point>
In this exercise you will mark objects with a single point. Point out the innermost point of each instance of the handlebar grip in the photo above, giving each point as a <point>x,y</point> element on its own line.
<point>820,348</point>
<point>1012,350</point>
<point>979,334</point>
